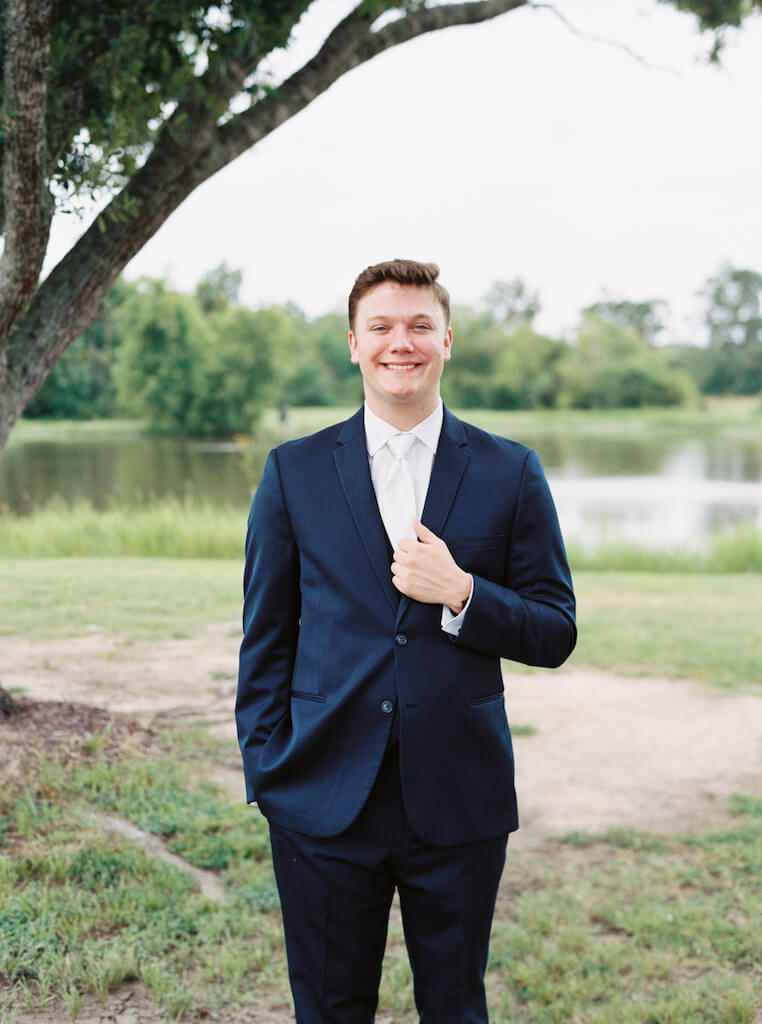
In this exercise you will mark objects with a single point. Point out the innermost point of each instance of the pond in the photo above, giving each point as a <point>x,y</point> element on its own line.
<point>655,488</point>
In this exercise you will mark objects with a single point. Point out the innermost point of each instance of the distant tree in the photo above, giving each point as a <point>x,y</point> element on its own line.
<point>158,369</point>
<point>144,102</point>
<point>219,288</point>
<point>185,371</point>
<point>81,385</point>
<point>733,316</point>
<point>733,311</point>
<point>235,376</point>
<point>646,318</point>
<point>611,367</point>
<point>499,366</point>
<point>512,302</point>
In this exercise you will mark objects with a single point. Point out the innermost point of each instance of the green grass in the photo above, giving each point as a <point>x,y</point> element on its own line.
<point>736,417</point>
<point>621,926</point>
<point>729,551</point>
<point>704,627</point>
<point>130,598</point>
<point>167,529</point>
<point>56,430</point>
<point>82,912</point>
<point>697,626</point>
<point>189,529</point>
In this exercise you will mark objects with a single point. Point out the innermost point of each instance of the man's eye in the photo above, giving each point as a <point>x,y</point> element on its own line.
<point>379,327</point>
<point>423,327</point>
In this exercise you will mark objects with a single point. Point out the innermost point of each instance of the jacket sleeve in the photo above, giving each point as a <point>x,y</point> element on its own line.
<point>271,611</point>
<point>530,616</point>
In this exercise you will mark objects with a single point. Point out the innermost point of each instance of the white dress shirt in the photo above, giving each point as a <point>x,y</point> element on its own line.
<point>420,459</point>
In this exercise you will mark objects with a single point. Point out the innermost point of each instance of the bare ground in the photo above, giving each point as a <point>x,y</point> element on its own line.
<point>645,753</point>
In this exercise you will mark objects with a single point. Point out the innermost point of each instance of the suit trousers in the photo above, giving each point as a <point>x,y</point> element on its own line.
<point>336,894</point>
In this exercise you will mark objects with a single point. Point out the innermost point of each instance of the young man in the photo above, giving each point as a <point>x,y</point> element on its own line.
<point>391,562</point>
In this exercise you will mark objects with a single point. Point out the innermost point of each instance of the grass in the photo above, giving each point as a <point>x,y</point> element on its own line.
<point>134,599</point>
<point>171,528</point>
<point>737,550</point>
<point>730,416</point>
<point>83,912</point>
<point>167,529</point>
<point>665,624</point>
<point>736,417</point>
<point>622,926</point>
<point>696,626</point>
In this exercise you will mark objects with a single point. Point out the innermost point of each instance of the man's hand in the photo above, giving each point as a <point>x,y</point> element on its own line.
<point>424,570</point>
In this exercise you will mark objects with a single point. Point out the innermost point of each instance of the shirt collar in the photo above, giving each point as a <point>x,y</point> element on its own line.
<point>378,431</point>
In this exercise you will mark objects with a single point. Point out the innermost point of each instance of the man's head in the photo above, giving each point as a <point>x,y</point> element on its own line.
<point>400,338</point>
<point>405,272</point>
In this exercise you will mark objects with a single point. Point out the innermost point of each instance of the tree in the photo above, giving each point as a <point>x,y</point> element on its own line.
<point>733,315</point>
<point>186,370</point>
<point>613,367</point>
<point>219,289</point>
<point>144,101</point>
<point>512,302</point>
<point>646,318</point>
<point>81,384</point>
<point>733,307</point>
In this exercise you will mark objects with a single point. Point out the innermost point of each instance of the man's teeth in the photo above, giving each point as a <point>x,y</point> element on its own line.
<point>400,366</point>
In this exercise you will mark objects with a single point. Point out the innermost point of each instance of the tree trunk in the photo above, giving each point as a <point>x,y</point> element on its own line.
<point>8,706</point>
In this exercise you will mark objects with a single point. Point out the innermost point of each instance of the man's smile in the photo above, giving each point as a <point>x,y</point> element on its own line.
<point>400,367</point>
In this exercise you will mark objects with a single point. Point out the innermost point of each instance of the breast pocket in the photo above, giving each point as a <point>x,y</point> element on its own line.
<point>484,556</point>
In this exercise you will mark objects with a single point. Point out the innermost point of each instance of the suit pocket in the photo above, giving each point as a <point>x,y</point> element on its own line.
<point>484,556</point>
<point>497,540</point>
<point>301,695</point>
<point>491,698</point>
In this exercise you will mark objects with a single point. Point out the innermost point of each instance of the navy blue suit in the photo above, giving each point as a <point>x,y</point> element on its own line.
<point>334,660</point>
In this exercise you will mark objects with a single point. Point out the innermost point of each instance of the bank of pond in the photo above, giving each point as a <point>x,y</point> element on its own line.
<point>657,489</point>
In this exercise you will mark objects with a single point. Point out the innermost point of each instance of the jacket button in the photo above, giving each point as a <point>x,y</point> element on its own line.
<point>387,707</point>
<point>401,639</point>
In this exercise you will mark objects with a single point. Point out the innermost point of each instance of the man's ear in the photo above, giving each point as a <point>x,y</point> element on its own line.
<point>448,344</point>
<point>354,357</point>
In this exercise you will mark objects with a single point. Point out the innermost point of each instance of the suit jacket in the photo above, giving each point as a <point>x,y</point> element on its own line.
<point>331,651</point>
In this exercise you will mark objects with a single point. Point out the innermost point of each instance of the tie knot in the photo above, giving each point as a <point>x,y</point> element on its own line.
<point>399,444</point>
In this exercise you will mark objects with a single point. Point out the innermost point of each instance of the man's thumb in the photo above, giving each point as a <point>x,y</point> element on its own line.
<point>423,533</point>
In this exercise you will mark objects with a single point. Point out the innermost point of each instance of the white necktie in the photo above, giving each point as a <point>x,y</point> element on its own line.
<point>398,493</point>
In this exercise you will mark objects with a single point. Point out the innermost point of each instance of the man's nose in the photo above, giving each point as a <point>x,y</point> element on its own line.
<point>401,340</point>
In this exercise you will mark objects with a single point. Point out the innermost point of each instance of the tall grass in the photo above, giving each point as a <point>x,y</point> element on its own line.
<point>168,528</point>
<point>736,550</point>
<point>191,529</point>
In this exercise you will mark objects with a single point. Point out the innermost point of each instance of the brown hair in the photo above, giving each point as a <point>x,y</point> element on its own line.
<point>406,272</point>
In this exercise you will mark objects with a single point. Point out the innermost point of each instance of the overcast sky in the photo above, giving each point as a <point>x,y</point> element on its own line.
<point>513,148</point>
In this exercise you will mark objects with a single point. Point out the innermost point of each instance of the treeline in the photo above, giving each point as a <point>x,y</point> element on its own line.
<point>205,364</point>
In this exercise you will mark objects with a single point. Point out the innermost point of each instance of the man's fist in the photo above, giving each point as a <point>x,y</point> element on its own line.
<point>424,570</point>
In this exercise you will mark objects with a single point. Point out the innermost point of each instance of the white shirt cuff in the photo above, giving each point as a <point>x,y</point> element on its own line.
<point>452,623</point>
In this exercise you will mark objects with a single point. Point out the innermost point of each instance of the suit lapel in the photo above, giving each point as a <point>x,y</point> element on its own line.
<point>351,458</point>
<point>447,472</point>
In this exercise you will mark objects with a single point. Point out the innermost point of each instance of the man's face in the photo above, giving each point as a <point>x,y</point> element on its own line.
<point>401,343</point>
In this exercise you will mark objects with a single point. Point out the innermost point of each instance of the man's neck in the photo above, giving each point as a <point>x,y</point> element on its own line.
<point>403,417</point>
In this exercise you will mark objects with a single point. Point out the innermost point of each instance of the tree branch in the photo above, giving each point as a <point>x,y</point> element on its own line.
<point>350,44</point>
<point>591,37</point>
<point>66,302</point>
<point>27,205</point>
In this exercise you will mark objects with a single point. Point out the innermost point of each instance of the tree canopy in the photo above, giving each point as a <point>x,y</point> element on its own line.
<point>143,101</point>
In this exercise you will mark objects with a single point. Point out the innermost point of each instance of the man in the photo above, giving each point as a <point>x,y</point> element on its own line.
<point>391,561</point>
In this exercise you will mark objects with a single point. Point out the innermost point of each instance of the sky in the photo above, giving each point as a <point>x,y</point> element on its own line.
<point>620,166</point>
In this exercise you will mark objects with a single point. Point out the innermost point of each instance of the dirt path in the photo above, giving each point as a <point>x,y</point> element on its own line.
<point>609,751</point>
<point>650,754</point>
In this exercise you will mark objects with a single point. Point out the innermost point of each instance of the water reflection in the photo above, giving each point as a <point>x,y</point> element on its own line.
<point>653,490</point>
<point>655,511</point>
